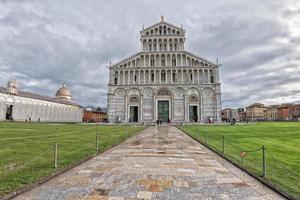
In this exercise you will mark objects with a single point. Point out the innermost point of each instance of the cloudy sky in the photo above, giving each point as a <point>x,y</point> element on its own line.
<point>45,43</point>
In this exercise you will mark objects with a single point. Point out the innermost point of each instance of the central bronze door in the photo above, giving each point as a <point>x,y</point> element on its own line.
<point>163,111</point>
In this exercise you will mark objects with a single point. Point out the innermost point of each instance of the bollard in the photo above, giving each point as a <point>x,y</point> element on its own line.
<point>55,156</point>
<point>97,142</point>
<point>223,144</point>
<point>264,170</point>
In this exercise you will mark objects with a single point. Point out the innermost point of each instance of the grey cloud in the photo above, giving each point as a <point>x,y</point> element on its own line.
<point>46,43</point>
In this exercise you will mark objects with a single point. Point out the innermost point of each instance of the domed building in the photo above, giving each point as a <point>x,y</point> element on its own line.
<point>64,93</point>
<point>18,105</point>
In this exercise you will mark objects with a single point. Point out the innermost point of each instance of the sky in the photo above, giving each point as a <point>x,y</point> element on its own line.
<point>50,42</point>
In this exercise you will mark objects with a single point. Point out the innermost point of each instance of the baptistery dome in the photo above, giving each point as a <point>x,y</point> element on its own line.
<point>64,93</point>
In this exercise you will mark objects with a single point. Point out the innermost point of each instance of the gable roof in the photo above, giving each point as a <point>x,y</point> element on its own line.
<point>162,23</point>
<point>40,97</point>
<point>141,52</point>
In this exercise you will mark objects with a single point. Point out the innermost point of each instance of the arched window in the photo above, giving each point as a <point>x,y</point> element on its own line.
<point>173,77</point>
<point>152,77</point>
<point>171,47</point>
<point>173,62</point>
<point>163,76</point>
<point>163,62</point>
<point>175,47</point>
<point>165,47</point>
<point>212,79</point>
<point>135,78</point>
<point>152,62</point>
<point>116,78</point>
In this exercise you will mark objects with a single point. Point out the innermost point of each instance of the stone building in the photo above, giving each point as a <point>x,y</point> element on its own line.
<point>94,116</point>
<point>256,112</point>
<point>294,112</point>
<point>283,112</point>
<point>271,112</point>
<point>18,105</point>
<point>229,114</point>
<point>163,81</point>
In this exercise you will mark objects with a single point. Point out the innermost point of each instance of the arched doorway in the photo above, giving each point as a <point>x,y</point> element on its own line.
<point>163,107</point>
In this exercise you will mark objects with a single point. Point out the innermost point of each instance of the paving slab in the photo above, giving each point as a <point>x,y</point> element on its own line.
<point>159,163</point>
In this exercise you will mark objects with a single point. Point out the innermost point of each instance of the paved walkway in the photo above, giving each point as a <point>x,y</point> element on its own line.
<point>159,163</point>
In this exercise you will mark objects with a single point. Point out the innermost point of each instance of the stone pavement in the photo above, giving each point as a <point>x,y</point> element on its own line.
<point>159,163</point>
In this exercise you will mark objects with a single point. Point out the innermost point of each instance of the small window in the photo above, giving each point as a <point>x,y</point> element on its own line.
<point>173,62</point>
<point>212,79</point>
<point>191,77</point>
<point>134,78</point>
<point>174,77</point>
<point>163,62</point>
<point>163,76</point>
<point>116,81</point>
<point>152,63</point>
<point>165,47</point>
<point>152,77</point>
<point>175,47</point>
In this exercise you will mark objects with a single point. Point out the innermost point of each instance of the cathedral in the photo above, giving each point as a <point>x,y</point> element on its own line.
<point>164,81</point>
<point>18,105</point>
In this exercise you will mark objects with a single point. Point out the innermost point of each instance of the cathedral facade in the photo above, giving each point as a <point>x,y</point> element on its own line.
<point>18,105</point>
<point>164,82</point>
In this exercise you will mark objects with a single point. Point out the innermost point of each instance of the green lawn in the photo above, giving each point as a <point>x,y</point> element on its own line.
<point>282,141</point>
<point>26,149</point>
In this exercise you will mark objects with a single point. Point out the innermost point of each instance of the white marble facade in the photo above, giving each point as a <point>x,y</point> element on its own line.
<point>25,106</point>
<point>164,81</point>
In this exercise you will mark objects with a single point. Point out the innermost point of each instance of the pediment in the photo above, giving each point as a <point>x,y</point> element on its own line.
<point>170,28</point>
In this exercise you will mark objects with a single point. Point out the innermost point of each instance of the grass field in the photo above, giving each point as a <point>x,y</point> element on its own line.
<point>282,141</point>
<point>26,149</point>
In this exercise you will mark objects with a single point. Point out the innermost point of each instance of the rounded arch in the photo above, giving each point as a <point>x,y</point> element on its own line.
<point>193,90</point>
<point>193,98</point>
<point>133,99</point>
<point>164,92</point>
<point>119,92</point>
<point>133,92</point>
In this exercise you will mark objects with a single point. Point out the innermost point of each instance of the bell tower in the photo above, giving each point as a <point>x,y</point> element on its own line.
<point>12,86</point>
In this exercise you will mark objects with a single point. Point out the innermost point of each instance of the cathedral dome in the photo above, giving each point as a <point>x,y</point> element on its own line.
<point>64,93</point>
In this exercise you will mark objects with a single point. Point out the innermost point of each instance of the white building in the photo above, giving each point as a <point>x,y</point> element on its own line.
<point>19,105</point>
<point>164,81</point>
